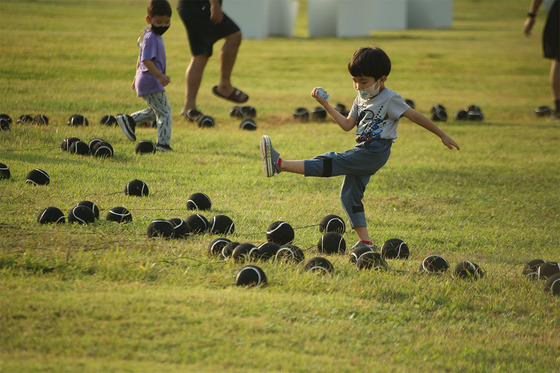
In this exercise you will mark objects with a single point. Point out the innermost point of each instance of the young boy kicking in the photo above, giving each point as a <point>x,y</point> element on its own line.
<point>376,112</point>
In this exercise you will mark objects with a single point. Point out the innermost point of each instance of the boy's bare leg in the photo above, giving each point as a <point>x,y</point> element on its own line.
<point>193,79</point>
<point>296,167</point>
<point>362,233</point>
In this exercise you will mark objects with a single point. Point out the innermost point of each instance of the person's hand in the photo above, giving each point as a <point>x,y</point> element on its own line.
<point>449,142</point>
<point>133,86</point>
<point>164,80</point>
<point>315,95</point>
<point>528,26</point>
<point>216,13</point>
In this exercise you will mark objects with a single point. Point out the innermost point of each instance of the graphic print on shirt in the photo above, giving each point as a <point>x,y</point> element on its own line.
<point>371,122</point>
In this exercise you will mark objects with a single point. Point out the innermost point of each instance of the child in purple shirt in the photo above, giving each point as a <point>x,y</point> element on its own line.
<point>151,77</point>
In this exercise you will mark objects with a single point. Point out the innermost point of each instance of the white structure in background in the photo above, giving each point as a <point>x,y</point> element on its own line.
<point>356,18</point>
<point>260,18</point>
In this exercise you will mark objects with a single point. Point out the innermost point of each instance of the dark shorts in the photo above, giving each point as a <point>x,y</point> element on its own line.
<point>551,33</point>
<point>202,33</point>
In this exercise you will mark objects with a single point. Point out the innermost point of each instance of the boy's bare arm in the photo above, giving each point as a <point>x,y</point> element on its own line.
<point>346,123</point>
<point>423,121</point>
<point>163,79</point>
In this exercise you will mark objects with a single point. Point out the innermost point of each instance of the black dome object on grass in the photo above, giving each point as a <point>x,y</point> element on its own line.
<point>280,232</point>
<point>358,251</point>
<point>92,143</point>
<point>319,114</point>
<point>197,223</point>
<point>206,121</point>
<point>250,275</point>
<point>371,260</point>
<point>102,149</point>
<point>78,120</point>
<point>434,264</point>
<point>40,120</point>
<point>216,246</point>
<point>221,224</point>
<point>552,285</point>
<point>199,201</point>
<point>248,124</point>
<point>136,188</point>
<point>244,252</point>
<point>92,206</point>
<point>4,171</point>
<point>51,215</point>
<point>108,120</point>
<point>290,253</point>
<point>227,249</point>
<point>332,223</point>
<point>79,147</point>
<point>160,228</point>
<point>301,114</point>
<point>468,270</point>
<point>332,243</point>
<point>267,251</point>
<point>81,214</point>
<point>145,147</point>
<point>394,248</point>
<point>180,228</point>
<point>319,264</point>
<point>548,269</point>
<point>532,267</point>
<point>119,214</point>
<point>25,119</point>
<point>65,145</point>
<point>38,177</point>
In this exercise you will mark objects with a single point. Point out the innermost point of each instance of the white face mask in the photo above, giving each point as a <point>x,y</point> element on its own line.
<point>369,92</point>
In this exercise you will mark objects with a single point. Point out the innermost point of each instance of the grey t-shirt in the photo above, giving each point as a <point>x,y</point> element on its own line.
<point>378,117</point>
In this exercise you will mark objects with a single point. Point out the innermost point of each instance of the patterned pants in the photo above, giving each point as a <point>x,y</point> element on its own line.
<point>159,111</point>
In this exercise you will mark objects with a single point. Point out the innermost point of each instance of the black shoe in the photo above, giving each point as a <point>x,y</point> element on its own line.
<point>127,126</point>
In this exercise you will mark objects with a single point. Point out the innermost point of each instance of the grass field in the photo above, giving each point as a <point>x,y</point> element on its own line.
<point>103,297</point>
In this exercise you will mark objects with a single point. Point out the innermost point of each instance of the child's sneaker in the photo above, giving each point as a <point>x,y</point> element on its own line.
<point>163,148</point>
<point>127,126</point>
<point>359,244</point>
<point>269,157</point>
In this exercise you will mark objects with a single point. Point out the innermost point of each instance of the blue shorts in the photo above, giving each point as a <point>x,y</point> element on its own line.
<point>357,165</point>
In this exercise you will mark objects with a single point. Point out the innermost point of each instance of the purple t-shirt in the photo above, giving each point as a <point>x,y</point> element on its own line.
<point>151,48</point>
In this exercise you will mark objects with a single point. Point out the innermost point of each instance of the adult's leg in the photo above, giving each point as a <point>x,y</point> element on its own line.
<point>193,79</point>
<point>228,56</point>
<point>555,78</point>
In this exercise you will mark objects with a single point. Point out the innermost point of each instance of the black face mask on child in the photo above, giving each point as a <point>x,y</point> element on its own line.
<point>160,30</point>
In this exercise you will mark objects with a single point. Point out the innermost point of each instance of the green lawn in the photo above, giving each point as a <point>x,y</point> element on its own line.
<point>103,297</point>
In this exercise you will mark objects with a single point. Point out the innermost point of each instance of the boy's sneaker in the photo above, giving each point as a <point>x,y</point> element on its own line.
<point>269,157</point>
<point>360,244</point>
<point>127,126</point>
<point>163,148</point>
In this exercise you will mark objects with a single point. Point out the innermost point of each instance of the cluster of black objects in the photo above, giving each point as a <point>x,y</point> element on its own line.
<point>85,212</point>
<point>470,113</point>
<point>247,115</point>
<point>548,271</point>
<point>96,147</point>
